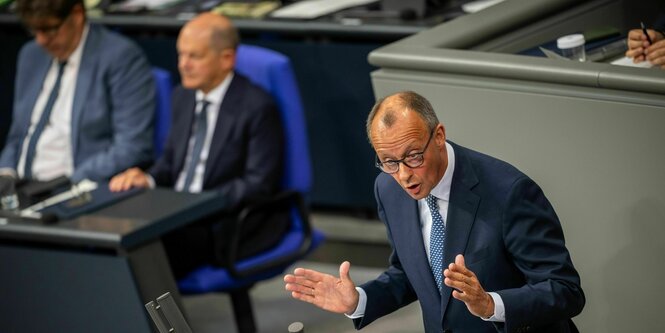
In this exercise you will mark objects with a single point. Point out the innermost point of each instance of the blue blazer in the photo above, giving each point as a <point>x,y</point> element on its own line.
<point>114,104</point>
<point>246,152</point>
<point>511,238</point>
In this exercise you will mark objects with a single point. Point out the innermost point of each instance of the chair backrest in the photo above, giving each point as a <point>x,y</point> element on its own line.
<point>162,121</point>
<point>273,72</point>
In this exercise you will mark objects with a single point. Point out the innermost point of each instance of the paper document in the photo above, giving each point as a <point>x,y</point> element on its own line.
<point>246,9</point>
<point>551,54</point>
<point>478,5</point>
<point>625,61</point>
<point>310,9</point>
<point>147,4</point>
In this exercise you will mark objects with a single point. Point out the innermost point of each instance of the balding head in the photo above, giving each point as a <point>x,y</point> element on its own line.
<point>218,28</point>
<point>386,110</point>
<point>206,51</point>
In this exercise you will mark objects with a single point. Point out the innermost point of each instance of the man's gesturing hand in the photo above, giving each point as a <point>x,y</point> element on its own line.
<point>324,290</point>
<point>468,289</point>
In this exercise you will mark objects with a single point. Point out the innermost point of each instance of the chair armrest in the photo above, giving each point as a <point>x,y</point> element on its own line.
<point>288,202</point>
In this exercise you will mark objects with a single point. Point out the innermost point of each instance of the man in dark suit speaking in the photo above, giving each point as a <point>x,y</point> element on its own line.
<point>474,240</point>
<point>225,136</point>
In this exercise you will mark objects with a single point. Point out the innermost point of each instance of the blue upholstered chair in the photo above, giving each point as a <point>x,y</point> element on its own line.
<point>162,123</point>
<point>273,72</point>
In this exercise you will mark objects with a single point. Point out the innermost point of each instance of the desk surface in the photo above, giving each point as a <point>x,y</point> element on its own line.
<point>123,225</point>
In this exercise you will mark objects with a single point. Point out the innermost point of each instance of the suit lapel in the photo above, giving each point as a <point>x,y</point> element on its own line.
<point>409,222</point>
<point>85,80</point>
<point>403,220</point>
<point>226,118</point>
<point>40,67</point>
<point>462,210</point>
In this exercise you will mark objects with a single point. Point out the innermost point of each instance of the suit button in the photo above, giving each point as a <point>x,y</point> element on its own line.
<point>447,331</point>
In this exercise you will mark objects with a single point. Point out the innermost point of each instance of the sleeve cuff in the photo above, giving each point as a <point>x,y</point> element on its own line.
<point>8,172</point>
<point>151,181</point>
<point>499,309</point>
<point>362,303</point>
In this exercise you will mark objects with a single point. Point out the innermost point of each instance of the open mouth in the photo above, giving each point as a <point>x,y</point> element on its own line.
<point>413,188</point>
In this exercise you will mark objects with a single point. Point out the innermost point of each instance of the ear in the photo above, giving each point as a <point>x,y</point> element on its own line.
<point>78,13</point>
<point>228,59</point>
<point>440,135</point>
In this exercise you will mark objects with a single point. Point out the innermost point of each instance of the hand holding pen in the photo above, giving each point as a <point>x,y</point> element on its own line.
<point>646,44</point>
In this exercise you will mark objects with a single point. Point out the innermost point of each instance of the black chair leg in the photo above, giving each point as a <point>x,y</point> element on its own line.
<point>242,310</point>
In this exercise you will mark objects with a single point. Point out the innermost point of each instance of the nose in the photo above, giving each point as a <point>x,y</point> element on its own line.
<point>404,173</point>
<point>183,62</point>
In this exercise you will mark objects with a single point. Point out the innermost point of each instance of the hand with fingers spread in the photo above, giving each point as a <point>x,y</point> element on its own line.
<point>133,177</point>
<point>639,48</point>
<point>328,292</point>
<point>468,288</point>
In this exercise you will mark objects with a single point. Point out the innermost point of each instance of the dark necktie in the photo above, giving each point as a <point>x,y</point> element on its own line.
<point>41,124</point>
<point>201,123</point>
<point>436,241</point>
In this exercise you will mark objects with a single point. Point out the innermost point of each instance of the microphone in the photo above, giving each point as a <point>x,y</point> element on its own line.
<point>296,327</point>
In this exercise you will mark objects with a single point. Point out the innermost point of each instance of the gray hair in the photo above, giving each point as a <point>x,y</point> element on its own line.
<point>406,99</point>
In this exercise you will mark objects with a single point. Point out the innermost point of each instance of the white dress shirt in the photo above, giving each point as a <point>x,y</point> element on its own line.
<point>53,153</point>
<point>442,193</point>
<point>215,97</point>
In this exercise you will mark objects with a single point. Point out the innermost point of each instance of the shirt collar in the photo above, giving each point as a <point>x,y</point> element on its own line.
<point>442,189</point>
<point>216,95</point>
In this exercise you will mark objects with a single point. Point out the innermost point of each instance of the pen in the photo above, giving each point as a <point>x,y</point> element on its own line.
<point>644,30</point>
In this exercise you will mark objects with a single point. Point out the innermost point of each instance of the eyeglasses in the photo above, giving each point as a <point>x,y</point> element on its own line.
<point>48,31</point>
<point>412,160</point>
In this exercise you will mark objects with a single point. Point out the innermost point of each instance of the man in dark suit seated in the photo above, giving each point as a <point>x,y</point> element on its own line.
<point>226,136</point>
<point>84,99</point>
<point>474,240</point>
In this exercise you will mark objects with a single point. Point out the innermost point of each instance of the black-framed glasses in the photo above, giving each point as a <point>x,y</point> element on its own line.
<point>411,160</point>
<point>48,31</point>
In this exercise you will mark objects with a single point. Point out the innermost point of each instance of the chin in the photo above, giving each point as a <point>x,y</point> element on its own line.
<point>189,85</point>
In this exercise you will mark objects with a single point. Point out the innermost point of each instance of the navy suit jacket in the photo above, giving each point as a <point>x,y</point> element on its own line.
<point>114,104</point>
<point>511,238</point>
<point>246,152</point>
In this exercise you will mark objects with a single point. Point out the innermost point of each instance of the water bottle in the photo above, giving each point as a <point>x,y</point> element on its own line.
<point>572,47</point>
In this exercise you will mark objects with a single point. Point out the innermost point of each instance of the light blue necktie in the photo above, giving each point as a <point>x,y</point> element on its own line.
<point>436,241</point>
<point>199,137</point>
<point>41,124</point>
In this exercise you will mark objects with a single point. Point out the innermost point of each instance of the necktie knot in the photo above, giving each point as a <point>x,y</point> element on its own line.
<point>204,104</point>
<point>431,202</point>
